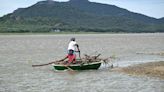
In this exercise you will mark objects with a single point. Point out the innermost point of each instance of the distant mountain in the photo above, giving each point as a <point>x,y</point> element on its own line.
<point>78,15</point>
<point>161,20</point>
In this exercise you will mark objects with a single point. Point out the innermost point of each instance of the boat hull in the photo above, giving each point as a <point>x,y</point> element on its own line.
<point>89,66</point>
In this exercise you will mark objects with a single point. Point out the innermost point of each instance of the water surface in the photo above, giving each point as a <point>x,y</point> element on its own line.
<point>19,52</point>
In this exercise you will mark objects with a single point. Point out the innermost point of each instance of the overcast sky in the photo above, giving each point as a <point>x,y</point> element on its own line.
<point>152,8</point>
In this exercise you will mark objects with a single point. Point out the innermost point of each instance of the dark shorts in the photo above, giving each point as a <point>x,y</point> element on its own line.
<point>71,51</point>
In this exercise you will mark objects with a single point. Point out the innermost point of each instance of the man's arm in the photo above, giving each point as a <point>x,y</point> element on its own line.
<point>77,47</point>
<point>64,58</point>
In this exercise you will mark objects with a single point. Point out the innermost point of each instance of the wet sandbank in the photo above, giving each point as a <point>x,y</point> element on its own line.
<point>151,69</point>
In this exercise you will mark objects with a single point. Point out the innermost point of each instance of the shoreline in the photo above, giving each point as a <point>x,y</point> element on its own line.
<point>61,33</point>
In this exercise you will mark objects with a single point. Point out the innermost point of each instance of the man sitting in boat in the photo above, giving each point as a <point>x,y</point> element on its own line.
<point>71,58</point>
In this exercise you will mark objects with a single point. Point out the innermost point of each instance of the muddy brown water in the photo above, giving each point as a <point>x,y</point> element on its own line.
<point>19,52</point>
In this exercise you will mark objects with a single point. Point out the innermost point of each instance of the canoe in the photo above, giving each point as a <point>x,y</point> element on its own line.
<point>87,66</point>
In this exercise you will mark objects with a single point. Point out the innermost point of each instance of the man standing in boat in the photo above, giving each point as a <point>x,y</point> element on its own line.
<point>71,50</point>
<point>72,46</point>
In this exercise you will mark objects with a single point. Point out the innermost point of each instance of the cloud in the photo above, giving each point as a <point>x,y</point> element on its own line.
<point>150,8</point>
<point>8,6</point>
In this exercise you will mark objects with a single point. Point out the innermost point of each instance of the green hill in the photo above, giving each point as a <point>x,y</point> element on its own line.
<point>77,15</point>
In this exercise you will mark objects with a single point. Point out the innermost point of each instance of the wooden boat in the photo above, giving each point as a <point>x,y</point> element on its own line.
<point>85,66</point>
<point>87,63</point>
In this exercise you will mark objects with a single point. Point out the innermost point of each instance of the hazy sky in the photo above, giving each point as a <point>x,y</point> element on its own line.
<point>152,8</point>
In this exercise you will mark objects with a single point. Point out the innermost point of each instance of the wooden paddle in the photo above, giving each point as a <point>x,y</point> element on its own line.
<point>79,54</point>
<point>68,67</point>
<point>52,63</point>
<point>45,64</point>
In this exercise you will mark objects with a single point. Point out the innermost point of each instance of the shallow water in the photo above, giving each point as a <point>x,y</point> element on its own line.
<point>19,52</point>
